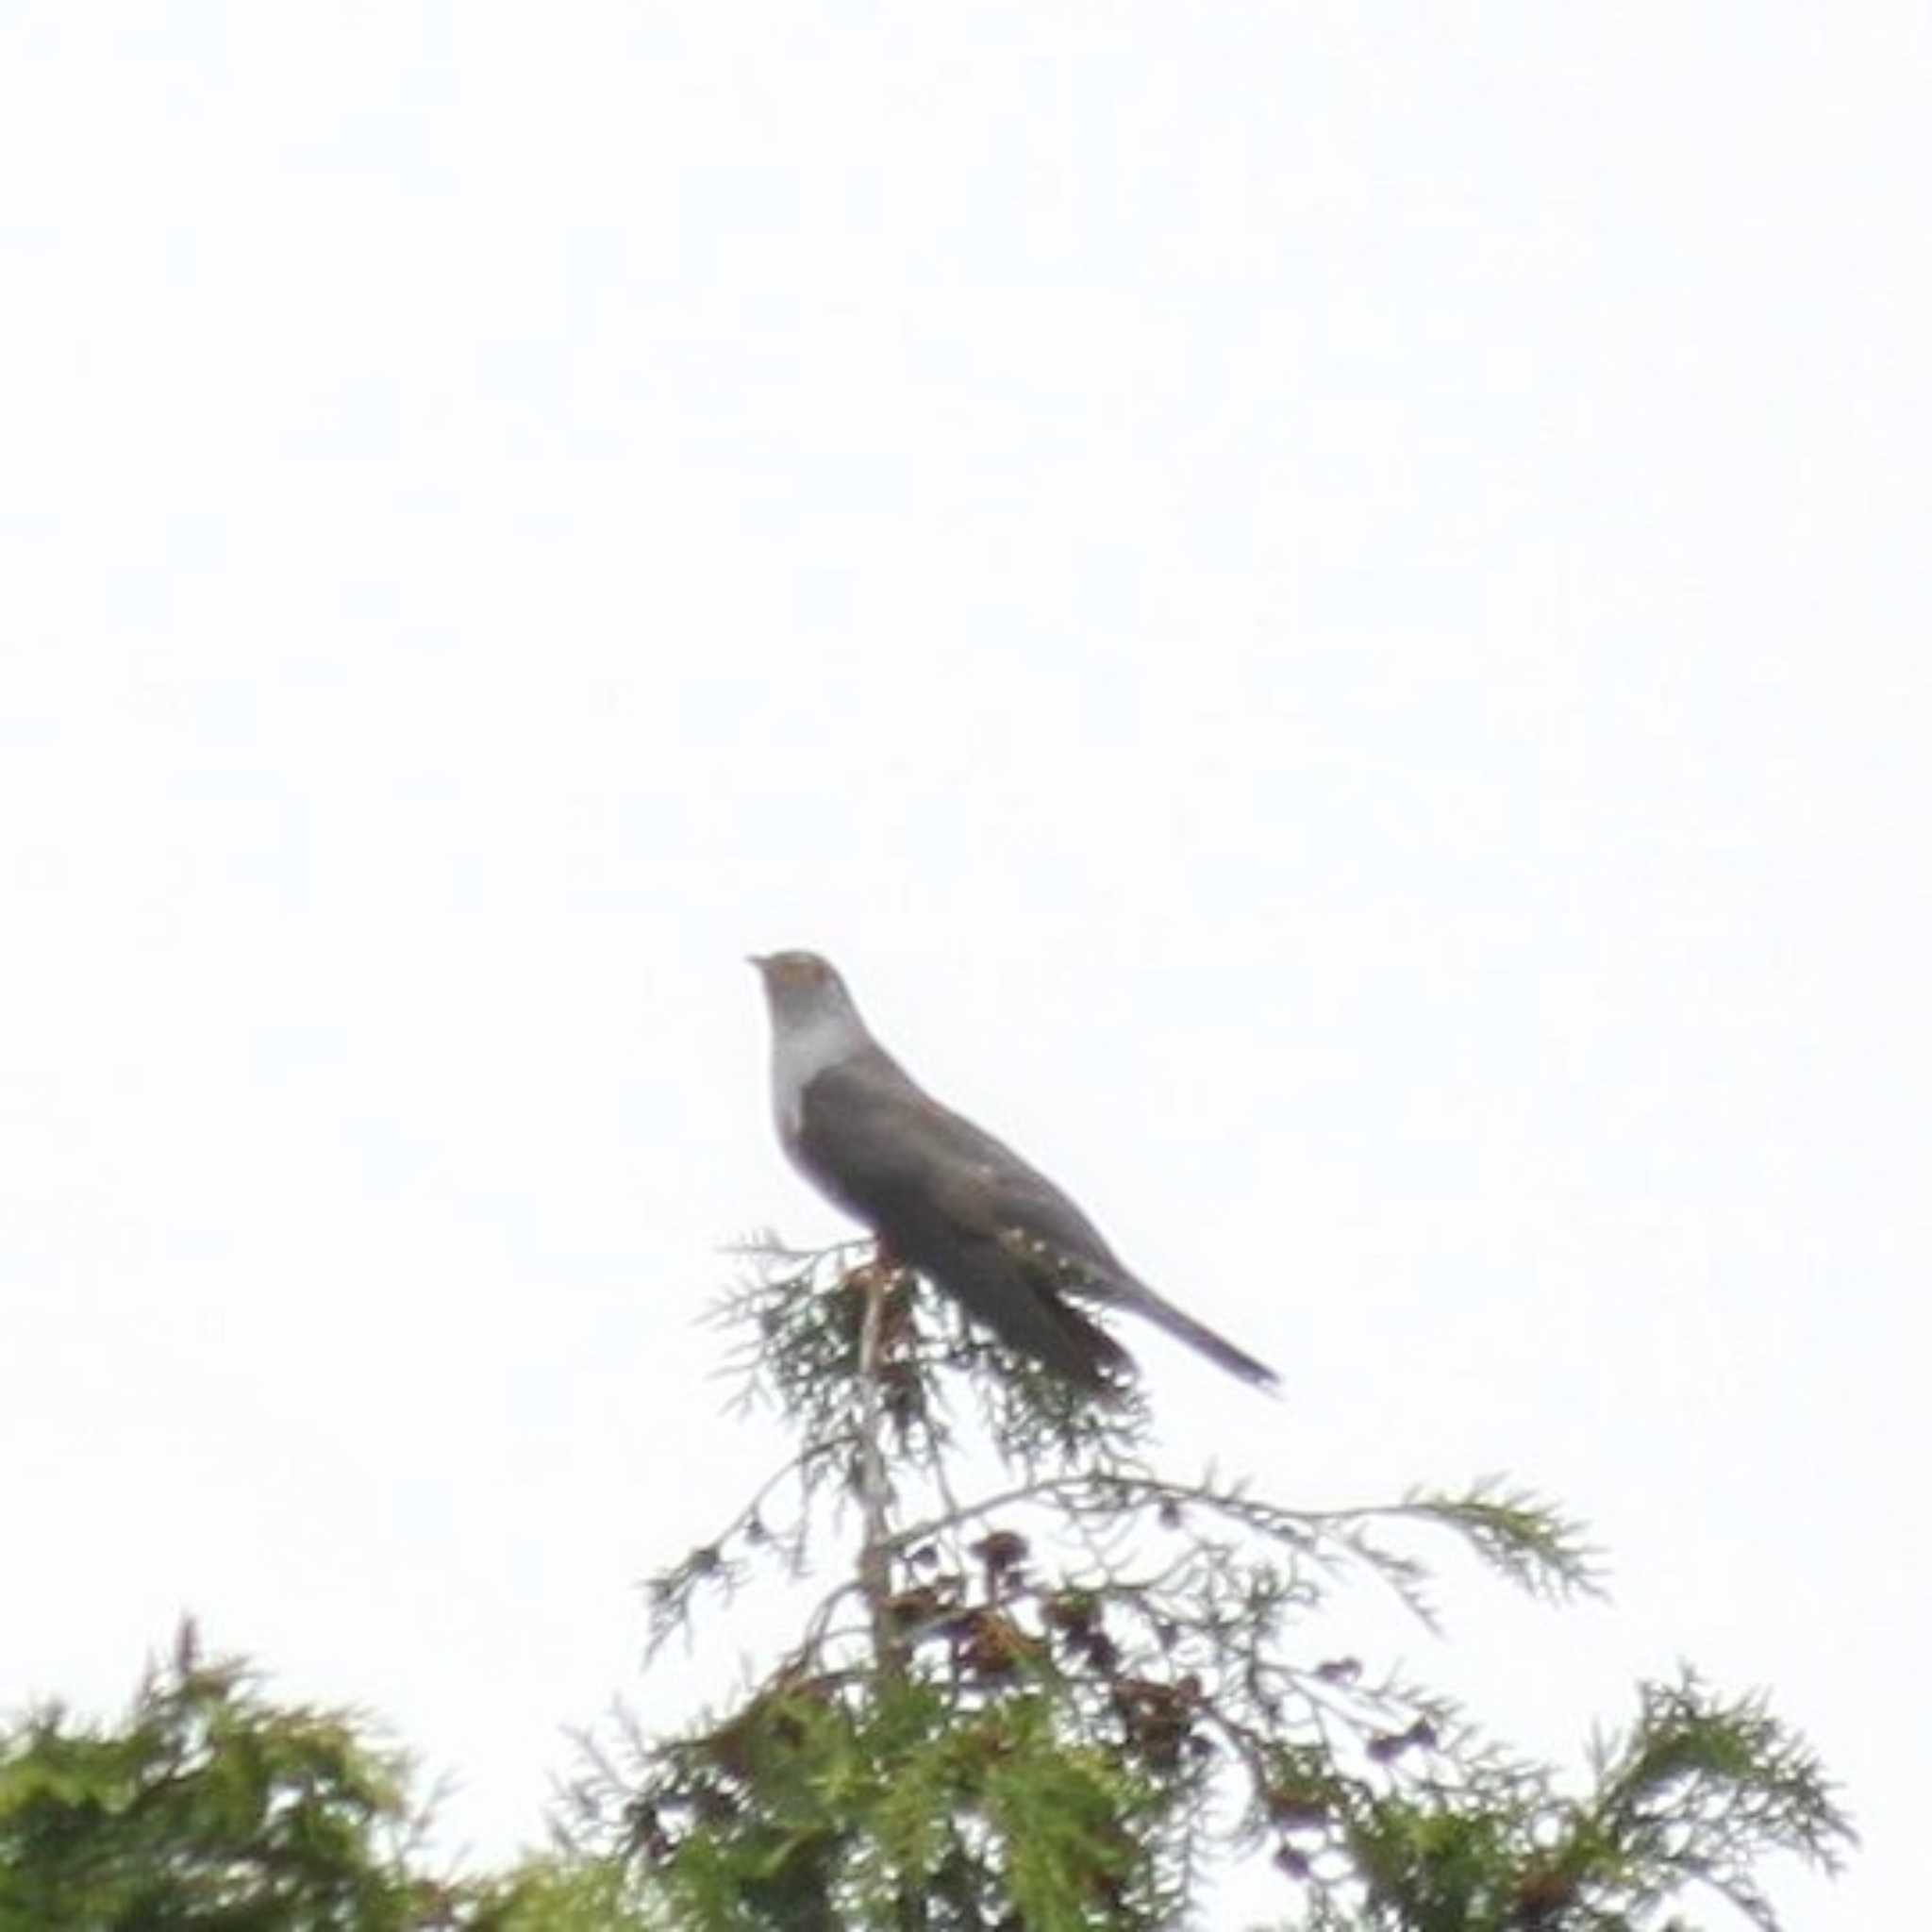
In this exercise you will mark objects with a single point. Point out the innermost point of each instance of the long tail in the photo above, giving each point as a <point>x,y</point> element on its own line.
<point>1129,1292</point>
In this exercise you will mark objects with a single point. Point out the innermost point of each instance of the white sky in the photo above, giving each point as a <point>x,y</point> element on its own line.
<point>1324,606</point>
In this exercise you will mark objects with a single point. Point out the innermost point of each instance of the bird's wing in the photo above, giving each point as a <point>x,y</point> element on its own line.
<point>949,1198</point>
<point>937,1192</point>
<point>888,1149</point>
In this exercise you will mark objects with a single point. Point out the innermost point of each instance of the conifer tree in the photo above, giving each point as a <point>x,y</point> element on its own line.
<point>206,1809</point>
<point>1044,1685</point>
<point>212,1807</point>
<point>1048,1686</point>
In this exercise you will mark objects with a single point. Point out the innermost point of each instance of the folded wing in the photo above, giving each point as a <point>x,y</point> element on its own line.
<point>982,1222</point>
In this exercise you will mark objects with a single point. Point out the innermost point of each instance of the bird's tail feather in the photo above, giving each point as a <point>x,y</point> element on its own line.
<point>1135,1295</point>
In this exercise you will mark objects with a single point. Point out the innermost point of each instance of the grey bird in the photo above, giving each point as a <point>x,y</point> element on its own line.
<point>946,1198</point>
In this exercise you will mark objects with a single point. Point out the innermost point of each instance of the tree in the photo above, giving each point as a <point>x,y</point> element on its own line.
<point>208,1809</point>
<point>1057,1703</point>
<point>1053,1702</point>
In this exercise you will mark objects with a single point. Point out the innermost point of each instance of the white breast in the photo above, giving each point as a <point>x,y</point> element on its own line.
<point>800,1053</point>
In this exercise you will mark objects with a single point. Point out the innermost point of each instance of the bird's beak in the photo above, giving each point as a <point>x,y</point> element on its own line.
<point>758,959</point>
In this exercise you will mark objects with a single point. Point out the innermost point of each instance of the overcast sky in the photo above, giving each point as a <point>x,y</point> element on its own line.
<point>1324,606</point>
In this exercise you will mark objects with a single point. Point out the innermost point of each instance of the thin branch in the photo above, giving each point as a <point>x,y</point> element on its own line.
<point>875,1494</point>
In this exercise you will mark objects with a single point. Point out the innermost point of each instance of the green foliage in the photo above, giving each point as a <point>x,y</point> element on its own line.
<point>813,1807</point>
<point>1058,1705</point>
<point>551,1894</point>
<point>1691,1797</point>
<point>207,1809</point>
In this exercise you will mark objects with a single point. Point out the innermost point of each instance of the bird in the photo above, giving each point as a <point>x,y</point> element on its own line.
<point>945,1198</point>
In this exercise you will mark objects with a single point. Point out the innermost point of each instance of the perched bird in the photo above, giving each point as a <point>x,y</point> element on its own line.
<point>945,1198</point>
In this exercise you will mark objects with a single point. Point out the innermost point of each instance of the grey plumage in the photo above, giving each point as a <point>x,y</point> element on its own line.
<point>944,1196</point>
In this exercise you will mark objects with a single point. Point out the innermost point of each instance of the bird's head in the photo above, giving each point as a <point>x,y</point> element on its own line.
<point>801,988</point>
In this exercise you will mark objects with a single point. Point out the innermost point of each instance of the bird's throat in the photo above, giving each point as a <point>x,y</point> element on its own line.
<point>801,1052</point>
